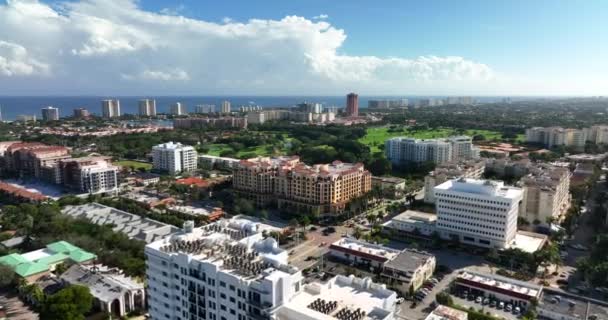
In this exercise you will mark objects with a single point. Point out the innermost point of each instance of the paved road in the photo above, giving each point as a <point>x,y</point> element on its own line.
<point>313,246</point>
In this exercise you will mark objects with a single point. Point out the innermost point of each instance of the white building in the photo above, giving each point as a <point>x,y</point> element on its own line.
<point>401,150</point>
<point>110,108</point>
<point>224,270</point>
<point>178,109</point>
<point>50,114</point>
<point>478,212</point>
<point>99,177</point>
<point>147,107</point>
<point>225,108</point>
<point>174,157</point>
<point>447,313</point>
<point>205,108</point>
<point>557,136</point>
<point>341,298</point>
<point>411,222</point>
<point>473,169</point>
<point>215,161</point>
<point>598,134</point>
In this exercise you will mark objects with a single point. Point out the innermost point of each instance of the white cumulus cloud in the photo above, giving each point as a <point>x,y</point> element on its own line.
<point>16,61</point>
<point>99,46</point>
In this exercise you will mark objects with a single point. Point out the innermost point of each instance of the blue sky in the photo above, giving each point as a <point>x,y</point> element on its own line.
<point>382,47</point>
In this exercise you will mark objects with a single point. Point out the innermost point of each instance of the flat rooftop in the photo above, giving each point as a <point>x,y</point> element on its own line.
<point>528,241</point>
<point>489,188</point>
<point>447,313</point>
<point>134,226</point>
<point>372,251</point>
<point>236,245</point>
<point>529,290</point>
<point>340,296</point>
<point>412,216</point>
<point>573,306</point>
<point>409,260</point>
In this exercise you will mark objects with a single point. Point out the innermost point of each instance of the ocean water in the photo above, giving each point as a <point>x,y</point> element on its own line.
<point>11,106</point>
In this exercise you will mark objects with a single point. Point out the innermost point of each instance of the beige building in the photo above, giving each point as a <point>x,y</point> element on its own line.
<point>558,136</point>
<point>443,172</point>
<point>291,184</point>
<point>546,194</point>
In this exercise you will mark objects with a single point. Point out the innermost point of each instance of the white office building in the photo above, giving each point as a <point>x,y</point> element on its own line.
<point>478,212</point>
<point>110,108</point>
<point>205,108</point>
<point>401,150</point>
<point>147,107</point>
<point>178,109</point>
<point>225,270</point>
<point>50,114</point>
<point>174,158</point>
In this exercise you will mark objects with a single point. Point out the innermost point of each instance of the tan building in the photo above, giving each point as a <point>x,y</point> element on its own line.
<point>322,188</point>
<point>546,194</point>
<point>473,169</point>
<point>28,159</point>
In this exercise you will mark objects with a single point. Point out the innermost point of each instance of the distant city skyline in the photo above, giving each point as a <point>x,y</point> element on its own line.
<point>469,47</point>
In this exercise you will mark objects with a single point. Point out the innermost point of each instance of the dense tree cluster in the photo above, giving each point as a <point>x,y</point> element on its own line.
<point>43,224</point>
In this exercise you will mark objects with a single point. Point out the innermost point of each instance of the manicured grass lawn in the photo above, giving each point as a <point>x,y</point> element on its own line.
<point>376,136</point>
<point>263,150</point>
<point>134,164</point>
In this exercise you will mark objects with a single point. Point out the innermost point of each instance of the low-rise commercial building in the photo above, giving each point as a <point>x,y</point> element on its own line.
<point>473,169</point>
<point>408,271</point>
<point>392,187</point>
<point>33,265</point>
<point>134,226</point>
<point>410,223</point>
<point>508,290</point>
<point>563,306</point>
<point>405,270</point>
<point>112,291</point>
<point>447,313</point>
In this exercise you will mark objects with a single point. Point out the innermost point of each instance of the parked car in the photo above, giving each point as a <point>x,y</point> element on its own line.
<point>501,305</point>
<point>479,300</point>
<point>493,303</point>
<point>516,310</point>
<point>486,301</point>
<point>508,308</point>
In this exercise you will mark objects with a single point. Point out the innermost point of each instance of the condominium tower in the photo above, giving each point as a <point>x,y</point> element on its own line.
<point>352,105</point>
<point>110,108</point>
<point>50,114</point>
<point>174,158</point>
<point>147,107</point>
<point>178,109</point>
<point>225,107</point>
<point>546,194</point>
<point>401,150</point>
